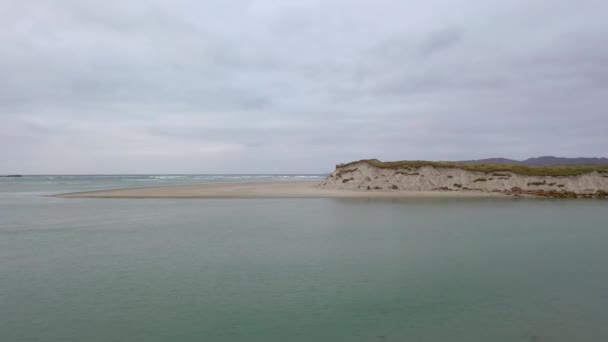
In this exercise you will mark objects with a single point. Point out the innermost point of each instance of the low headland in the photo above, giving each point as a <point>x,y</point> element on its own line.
<point>557,181</point>
<point>373,178</point>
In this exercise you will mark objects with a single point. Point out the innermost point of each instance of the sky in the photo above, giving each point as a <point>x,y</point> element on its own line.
<point>266,86</point>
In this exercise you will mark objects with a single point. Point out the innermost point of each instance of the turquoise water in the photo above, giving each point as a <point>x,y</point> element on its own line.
<point>298,269</point>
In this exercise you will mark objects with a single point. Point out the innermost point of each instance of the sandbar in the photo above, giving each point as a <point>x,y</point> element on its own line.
<point>298,189</point>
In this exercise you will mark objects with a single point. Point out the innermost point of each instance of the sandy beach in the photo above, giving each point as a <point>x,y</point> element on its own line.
<point>301,189</point>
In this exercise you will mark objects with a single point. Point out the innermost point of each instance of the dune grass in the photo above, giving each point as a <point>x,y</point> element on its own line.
<point>553,170</point>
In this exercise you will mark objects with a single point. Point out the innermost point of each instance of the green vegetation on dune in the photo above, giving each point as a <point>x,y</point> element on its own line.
<point>553,170</point>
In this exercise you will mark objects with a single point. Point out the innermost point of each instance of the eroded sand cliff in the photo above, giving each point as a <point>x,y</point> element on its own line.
<point>364,176</point>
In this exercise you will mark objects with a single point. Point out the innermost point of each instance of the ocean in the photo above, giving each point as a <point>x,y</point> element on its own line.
<point>457,269</point>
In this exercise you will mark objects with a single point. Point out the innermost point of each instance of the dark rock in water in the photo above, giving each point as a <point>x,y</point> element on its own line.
<point>12,176</point>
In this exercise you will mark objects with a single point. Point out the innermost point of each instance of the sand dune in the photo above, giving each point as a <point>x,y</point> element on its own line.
<point>365,175</point>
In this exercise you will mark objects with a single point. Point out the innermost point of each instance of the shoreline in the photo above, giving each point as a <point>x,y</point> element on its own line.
<point>297,189</point>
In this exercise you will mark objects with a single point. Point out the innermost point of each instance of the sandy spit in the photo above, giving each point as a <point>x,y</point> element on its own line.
<point>300,189</point>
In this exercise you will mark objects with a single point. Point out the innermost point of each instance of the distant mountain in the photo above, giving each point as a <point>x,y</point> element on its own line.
<point>550,160</point>
<point>492,161</point>
<point>544,160</point>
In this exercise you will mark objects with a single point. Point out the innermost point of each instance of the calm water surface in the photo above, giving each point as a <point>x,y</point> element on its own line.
<point>298,269</point>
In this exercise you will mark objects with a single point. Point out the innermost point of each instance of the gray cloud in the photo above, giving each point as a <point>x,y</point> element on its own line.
<point>267,86</point>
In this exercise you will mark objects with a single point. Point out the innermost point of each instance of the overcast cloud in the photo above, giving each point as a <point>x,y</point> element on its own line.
<point>296,86</point>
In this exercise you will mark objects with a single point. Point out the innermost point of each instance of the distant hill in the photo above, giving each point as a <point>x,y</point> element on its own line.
<point>491,161</point>
<point>545,160</point>
<point>550,160</point>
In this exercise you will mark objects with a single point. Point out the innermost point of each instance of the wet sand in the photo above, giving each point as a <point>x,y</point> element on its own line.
<point>302,189</point>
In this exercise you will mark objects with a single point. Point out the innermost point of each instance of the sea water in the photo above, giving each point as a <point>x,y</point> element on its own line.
<point>296,269</point>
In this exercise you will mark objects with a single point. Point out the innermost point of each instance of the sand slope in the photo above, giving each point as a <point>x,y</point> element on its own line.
<point>366,177</point>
